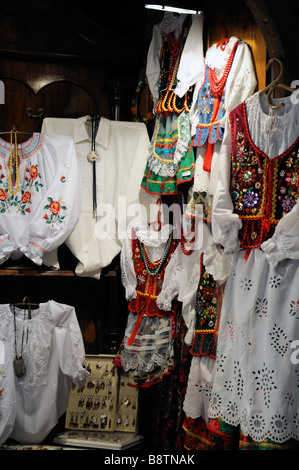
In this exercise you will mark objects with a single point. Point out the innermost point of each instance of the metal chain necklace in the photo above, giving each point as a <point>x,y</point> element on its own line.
<point>18,363</point>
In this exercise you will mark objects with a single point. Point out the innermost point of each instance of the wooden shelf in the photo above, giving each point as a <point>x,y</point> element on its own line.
<point>18,272</point>
<point>36,272</point>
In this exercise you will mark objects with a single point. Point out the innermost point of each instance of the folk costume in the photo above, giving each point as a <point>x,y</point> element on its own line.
<point>148,258</point>
<point>229,79</point>
<point>174,64</point>
<point>255,217</point>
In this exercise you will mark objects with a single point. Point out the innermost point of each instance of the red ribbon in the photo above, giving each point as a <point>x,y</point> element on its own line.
<point>136,328</point>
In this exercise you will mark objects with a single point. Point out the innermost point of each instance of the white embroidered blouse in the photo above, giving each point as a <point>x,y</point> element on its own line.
<point>40,205</point>
<point>53,352</point>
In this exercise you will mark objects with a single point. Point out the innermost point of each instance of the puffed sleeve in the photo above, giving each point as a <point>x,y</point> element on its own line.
<point>69,343</point>
<point>241,81</point>
<point>191,65</point>
<point>59,208</point>
<point>284,244</point>
<point>172,280</point>
<point>225,224</point>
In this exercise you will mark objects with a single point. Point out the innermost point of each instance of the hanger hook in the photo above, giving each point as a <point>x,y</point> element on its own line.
<point>277,79</point>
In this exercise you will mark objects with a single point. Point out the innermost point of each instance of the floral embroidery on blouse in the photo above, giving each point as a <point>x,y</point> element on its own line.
<point>33,177</point>
<point>54,213</point>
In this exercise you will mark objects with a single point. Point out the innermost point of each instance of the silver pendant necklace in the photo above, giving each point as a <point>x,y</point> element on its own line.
<point>19,363</point>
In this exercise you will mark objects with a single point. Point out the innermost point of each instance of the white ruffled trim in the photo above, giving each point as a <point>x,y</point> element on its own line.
<point>170,168</point>
<point>6,248</point>
<point>150,237</point>
<point>275,252</point>
<point>229,239</point>
<point>217,263</point>
<point>34,251</point>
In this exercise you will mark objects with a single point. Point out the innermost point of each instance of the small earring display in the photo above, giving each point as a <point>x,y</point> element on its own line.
<point>106,402</point>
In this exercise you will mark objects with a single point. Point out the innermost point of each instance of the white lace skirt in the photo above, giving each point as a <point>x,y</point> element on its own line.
<point>256,378</point>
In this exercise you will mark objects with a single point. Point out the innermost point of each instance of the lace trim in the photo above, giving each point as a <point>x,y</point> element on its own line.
<point>277,429</point>
<point>151,237</point>
<point>170,22</point>
<point>151,347</point>
<point>38,350</point>
<point>217,264</point>
<point>275,252</point>
<point>229,240</point>
<point>164,167</point>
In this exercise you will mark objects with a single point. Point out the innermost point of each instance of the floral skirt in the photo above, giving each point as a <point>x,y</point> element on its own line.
<point>171,161</point>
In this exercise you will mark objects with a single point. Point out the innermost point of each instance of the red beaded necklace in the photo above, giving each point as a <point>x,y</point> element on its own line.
<point>217,85</point>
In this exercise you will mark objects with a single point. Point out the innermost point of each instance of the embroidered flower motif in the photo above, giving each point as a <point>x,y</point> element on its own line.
<point>279,340</point>
<point>246,284</point>
<point>250,199</point>
<point>63,179</point>
<point>242,154</point>
<point>26,197</point>
<point>274,281</point>
<point>3,195</point>
<point>257,423</point>
<point>55,208</point>
<point>288,203</point>
<point>294,308</point>
<point>279,424</point>
<point>265,383</point>
<point>33,172</point>
<point>261,307</point>
<point>32,178</point>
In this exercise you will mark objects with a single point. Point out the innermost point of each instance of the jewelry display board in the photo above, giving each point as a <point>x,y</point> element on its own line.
<point>106,402</point>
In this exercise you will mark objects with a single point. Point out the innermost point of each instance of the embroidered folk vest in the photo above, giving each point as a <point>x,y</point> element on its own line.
<point>148,285</point>
<point>207,306</point>
<point>262,190</point>
<point>170,57</point>
<point>205,131</point>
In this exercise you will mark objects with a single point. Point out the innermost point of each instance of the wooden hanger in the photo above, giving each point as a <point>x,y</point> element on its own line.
<point>26,304</point>
<point>269,89</point>
<point>15,131</point>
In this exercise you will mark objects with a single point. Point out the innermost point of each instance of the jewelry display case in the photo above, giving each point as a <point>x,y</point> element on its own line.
<point>104,413</point>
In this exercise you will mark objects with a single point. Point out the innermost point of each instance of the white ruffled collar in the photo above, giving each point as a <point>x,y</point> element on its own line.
<point>151,237</point>
<point>216,58</point>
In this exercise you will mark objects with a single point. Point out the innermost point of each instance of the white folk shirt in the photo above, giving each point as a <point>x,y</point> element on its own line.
<point>39,213</point>
<point>53,352</point>
<point>123,149</point>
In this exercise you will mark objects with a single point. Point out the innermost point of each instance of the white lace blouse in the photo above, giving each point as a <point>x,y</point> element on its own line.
<point>54,353</point>
<point>40,206</point>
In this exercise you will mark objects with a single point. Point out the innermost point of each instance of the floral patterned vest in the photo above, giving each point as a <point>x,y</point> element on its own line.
<point>205,100</point>
<point>262,190</point>
<point>149,286</point>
